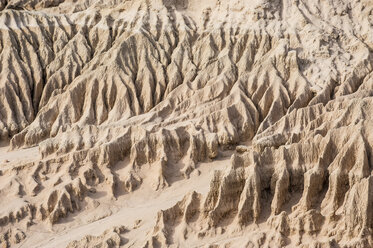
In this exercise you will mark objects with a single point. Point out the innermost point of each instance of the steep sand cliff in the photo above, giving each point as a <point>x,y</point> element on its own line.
<point>185,123</point>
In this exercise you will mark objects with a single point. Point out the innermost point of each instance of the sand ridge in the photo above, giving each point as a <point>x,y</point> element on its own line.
<point>104,102</point>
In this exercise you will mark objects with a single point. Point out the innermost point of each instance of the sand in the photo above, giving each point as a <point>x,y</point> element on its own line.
<point>184,123</point>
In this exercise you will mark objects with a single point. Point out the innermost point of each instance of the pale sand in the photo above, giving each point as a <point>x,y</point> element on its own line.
<point>216,123</point>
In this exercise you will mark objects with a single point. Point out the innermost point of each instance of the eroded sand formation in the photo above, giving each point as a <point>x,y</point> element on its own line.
<point>185,123</point>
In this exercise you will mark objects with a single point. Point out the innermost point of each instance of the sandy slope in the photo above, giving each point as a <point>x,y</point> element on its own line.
<point>216,123</point>
<point>135,211</point>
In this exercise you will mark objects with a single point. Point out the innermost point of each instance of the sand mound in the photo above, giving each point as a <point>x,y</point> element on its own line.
<point>124,100</point>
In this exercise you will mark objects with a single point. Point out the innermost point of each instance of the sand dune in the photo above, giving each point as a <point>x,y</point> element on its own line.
<point>184,123</point>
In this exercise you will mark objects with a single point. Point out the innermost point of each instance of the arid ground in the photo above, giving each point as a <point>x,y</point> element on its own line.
<point>186,123</point>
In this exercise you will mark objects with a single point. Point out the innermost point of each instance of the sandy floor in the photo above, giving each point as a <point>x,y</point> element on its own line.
<point>18,156</point>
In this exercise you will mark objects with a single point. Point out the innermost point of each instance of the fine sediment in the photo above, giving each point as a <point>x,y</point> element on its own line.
<point>103,101</point>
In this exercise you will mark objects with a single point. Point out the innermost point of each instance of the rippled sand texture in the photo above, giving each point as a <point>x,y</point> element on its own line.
<point>185,123</point>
